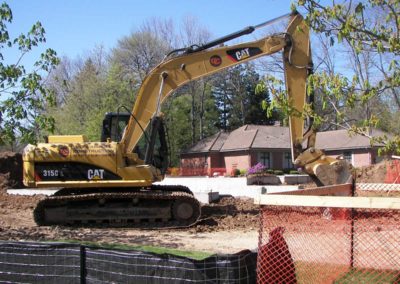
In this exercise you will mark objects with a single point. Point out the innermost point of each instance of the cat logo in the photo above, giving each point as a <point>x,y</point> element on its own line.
<point>96,174</point>
<point>63,151</point>
<point>239,54</point>
<point>215,60</point>
<point>242,54</point>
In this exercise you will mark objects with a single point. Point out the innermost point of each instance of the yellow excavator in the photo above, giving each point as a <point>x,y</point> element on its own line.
<point>113,182</point>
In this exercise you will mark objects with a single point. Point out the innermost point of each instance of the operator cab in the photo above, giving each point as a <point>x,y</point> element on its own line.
<point>152,146</point>
<point>114,124</point>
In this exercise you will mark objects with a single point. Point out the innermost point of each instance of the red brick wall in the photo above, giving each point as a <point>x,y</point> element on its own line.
<point>245,159</point>
<point>237,160</point>
<point>360,157</point>
<point>193,160</point>
<point>216,160</point>
<point>276,157</point>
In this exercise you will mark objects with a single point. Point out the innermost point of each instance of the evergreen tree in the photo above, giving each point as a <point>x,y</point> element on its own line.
<point>237,101</point>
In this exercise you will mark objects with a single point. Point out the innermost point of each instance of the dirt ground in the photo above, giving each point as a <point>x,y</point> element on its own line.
<point>371,174</point>
<point>230,219</point>
<point>228,226</point>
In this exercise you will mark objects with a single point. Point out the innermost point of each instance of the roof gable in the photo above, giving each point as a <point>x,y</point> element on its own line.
<point>211,143</point>
<point>273,137</point>
<point>239,139</point>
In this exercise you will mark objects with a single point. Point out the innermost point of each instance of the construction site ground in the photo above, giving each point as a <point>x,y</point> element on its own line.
<point>227,226</point>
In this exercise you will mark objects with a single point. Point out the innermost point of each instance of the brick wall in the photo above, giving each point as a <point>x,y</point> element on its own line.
<point>194,160</point>
<point>216,160</point>
<point>237,160</point>
<point>360,157</point>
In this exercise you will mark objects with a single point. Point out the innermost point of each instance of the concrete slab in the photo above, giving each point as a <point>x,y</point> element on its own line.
<point>207,198</point>
<point>280,188</point>
<point>204,188</point>
<point>296,179</point>
<point>31,191</point>
<point>236,187</point>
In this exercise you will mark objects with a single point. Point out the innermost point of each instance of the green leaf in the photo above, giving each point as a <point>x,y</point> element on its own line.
<point>359,8</point>
<point>340,37</point>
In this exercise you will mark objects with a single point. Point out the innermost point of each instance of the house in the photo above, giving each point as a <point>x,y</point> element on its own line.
<point>356,149</point>
<point>269,145</point>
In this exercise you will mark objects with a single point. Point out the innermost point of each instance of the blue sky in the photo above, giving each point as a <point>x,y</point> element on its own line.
<point>75,27</point>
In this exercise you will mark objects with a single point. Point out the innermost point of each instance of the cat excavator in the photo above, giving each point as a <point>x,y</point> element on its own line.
<point>112,182</point>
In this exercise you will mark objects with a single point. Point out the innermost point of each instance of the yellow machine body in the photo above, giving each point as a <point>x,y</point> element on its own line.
<point>120,184</point>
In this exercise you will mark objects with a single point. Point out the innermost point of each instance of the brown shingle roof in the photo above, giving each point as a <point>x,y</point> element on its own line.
<point>219,142</point>
<point>340,139</point>
<point>273,137</point>
<point>239,139</point>
<point>212,143</point>
<point>277,137</point>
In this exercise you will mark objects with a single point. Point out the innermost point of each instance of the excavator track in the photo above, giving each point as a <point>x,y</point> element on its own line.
<point>150,208</point>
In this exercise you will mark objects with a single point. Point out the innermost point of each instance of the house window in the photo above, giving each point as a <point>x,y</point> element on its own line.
<point>287,160</point>
<point>348,156</point>
<point>265,159</point>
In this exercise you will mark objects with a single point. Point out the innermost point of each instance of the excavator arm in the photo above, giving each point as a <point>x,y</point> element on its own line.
<point>196,63</point>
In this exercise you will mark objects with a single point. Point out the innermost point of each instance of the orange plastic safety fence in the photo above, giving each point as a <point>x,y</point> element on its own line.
<point>393,172</point>
<point>328,245</point>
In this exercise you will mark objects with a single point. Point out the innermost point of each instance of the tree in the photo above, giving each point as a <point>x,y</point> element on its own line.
<point>86,91</point>
<point>370,29</point>
<point>237,100</point>
<point>23,94</point>
<point>141,51</point>
<point>367,30</point>
<point>177,111</point>
<point>222,93</point>
<point>192,33</point>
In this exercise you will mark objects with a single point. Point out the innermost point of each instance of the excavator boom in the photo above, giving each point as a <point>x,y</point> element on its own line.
<point>195,63</point>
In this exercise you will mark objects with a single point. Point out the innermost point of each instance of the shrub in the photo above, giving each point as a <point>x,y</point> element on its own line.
<point>286,170</point>
<point>256,169</point>
<point>270,171</point>
<point>235,172</point>
<point>243,172</point>
<point>278,172</point>
<point>174,171</point>
<point>294,172</point>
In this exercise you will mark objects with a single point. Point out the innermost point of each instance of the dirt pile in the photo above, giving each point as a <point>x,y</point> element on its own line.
<point>372,174</point>
<point>220,221</point>
<point>10,170</point>
<point>228,214</point>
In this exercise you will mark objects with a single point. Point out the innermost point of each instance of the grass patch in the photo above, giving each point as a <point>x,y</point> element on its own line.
<point>307,272</point>
<point>369,276</point>
<point>197,255</point>
<point>339,274</point>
